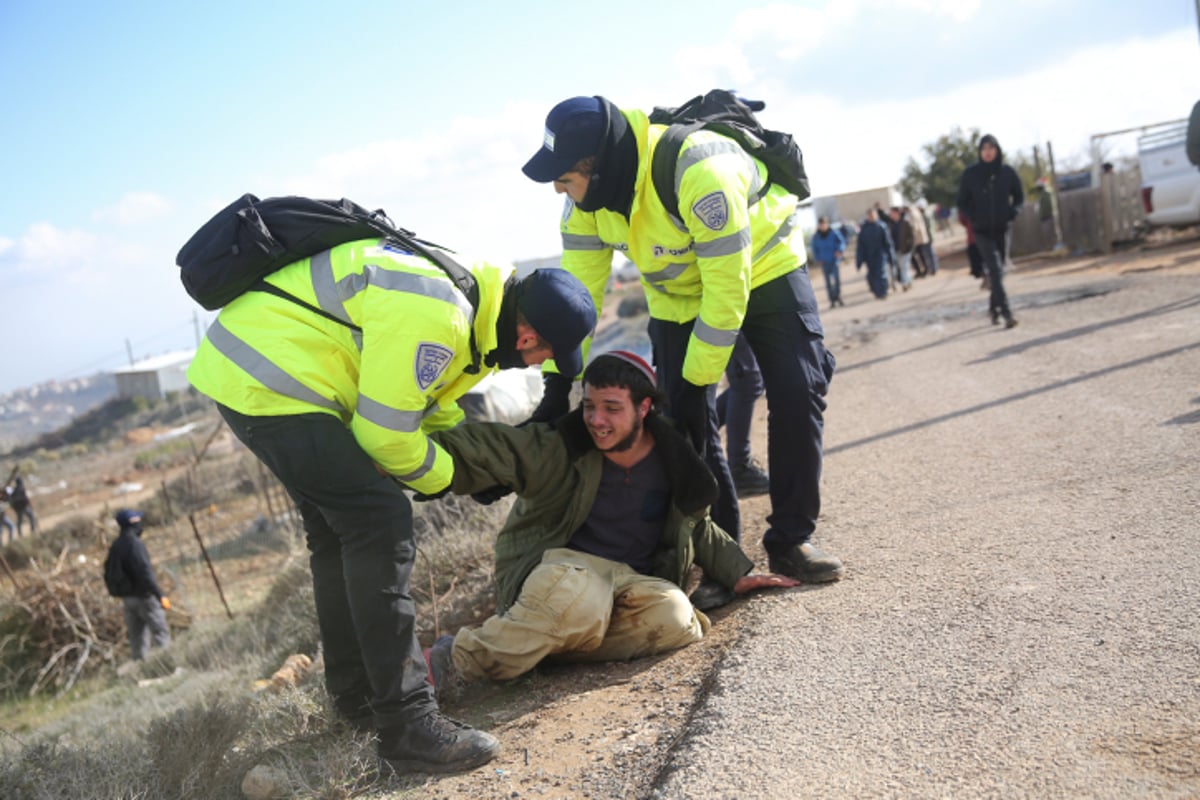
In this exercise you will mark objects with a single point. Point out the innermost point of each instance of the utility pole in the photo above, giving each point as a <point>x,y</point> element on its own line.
<point>129,350</point>
<point>1058,226</point>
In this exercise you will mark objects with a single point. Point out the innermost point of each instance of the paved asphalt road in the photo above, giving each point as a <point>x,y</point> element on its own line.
<point>1019,513</point>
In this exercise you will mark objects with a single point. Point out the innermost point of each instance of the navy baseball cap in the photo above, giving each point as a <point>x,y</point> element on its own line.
<point>560,309</point>
<point>575,129</point>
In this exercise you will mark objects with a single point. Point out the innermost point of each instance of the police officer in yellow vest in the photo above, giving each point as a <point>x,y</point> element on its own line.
<point>342,414</point>
<point>734,262</point>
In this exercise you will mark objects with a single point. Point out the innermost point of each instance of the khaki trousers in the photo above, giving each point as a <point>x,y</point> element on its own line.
<point>579,607</point>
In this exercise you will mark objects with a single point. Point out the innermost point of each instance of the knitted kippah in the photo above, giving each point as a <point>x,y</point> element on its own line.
<point>635,360</point>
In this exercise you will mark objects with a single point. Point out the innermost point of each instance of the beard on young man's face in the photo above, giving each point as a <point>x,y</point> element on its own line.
<point>625,442</point>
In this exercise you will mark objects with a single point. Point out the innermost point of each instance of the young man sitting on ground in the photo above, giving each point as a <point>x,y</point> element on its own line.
<point>612,511</point>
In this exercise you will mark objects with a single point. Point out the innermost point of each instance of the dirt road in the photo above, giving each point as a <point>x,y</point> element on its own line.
<point>1019,514</point>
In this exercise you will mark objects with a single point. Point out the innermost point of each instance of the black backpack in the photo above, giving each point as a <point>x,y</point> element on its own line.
<point>725,113</point>
<point>250,238</point>
<point>115,580</point>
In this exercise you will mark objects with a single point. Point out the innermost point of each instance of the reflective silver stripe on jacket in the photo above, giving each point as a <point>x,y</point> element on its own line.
<point>714,336</point>
<point>701,151</point>
<point>394,281</point>
<point>580,241</point>
<point>784,232</point>
<point>263,370</point>
<point>332,295</point>
<point>329,297</point>
<point>426,465</point>
<point>393,419</point>
<point>724,246</point>
<point>667,273</point>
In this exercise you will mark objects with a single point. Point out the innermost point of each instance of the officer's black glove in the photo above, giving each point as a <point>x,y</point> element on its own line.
<point>418,497</point>
<point>556,399</point>
<point>488,496</point>
<point>692,414</point>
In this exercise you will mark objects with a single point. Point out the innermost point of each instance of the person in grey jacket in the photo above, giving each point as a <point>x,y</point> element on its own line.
<point>990,195</point>
<point>612,511</point>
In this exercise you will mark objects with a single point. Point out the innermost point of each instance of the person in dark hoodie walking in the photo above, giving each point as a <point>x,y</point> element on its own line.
<point>991,196</point>
<point>129,575</point>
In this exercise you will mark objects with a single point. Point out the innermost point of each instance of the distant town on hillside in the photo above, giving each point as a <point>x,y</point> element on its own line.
<point>27,413</point>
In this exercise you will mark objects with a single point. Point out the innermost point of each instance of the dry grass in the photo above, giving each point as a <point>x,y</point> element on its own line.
<point>195,725</point>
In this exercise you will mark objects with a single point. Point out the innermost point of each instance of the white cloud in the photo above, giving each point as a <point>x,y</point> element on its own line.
<point>790,32</point>
<point>850,145</point>
<point>44,246</point>
<point>134,208</point>
<point>957,10</point>
<point>461,186</point>
<point>5,244</point>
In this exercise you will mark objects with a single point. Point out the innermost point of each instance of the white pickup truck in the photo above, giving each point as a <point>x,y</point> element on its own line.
<point>1170,181</point>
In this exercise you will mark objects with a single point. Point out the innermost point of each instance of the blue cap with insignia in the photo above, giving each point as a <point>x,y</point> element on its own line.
<point>575,129</point>
<point>560,309</point>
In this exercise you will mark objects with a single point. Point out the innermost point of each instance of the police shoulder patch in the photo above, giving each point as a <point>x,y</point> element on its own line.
<point>712,210</point>
<point>430,362</point>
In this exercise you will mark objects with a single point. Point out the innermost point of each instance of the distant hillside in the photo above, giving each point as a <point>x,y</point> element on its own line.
<point>25,414</point>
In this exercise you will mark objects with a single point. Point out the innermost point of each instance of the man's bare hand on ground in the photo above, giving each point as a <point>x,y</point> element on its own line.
<point>758,580</point>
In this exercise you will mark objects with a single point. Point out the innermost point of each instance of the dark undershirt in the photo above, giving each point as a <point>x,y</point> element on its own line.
<point>626,520</point>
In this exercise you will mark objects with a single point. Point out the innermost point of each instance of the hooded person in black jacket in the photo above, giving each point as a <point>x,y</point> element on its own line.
<point>991,196</point>
<point>130,576</point>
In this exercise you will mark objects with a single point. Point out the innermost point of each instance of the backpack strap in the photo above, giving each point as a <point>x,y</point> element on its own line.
<point>666,160</point>
<point>458,274</point>
<point>270,288</point>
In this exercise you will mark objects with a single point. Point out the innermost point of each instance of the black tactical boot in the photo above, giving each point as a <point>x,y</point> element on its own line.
<point>436,743</point>
<point>749,479</point>
<point>806,563</point>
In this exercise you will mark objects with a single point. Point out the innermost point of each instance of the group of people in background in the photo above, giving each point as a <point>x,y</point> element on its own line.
<point>894,245</point>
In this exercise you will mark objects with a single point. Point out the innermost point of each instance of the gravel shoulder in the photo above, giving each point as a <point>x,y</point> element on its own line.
<point>1018,514</point>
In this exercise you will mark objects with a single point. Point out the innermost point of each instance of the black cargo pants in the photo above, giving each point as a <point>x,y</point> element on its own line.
<point>359,530</point>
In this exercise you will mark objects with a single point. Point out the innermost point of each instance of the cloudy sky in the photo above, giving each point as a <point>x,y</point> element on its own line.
<point>127,124</point>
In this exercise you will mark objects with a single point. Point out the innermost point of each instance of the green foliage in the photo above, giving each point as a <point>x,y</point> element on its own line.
<point>945,160</point>
<point>1026,169</point>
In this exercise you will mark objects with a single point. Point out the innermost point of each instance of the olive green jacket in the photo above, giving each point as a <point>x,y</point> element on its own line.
<point>555,472</point>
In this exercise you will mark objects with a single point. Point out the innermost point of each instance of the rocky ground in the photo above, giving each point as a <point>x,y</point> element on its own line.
<point>1018,515</point>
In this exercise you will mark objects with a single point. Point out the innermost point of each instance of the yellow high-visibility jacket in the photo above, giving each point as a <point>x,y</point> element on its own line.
<point>703,266</point>
<point>392,383</point>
